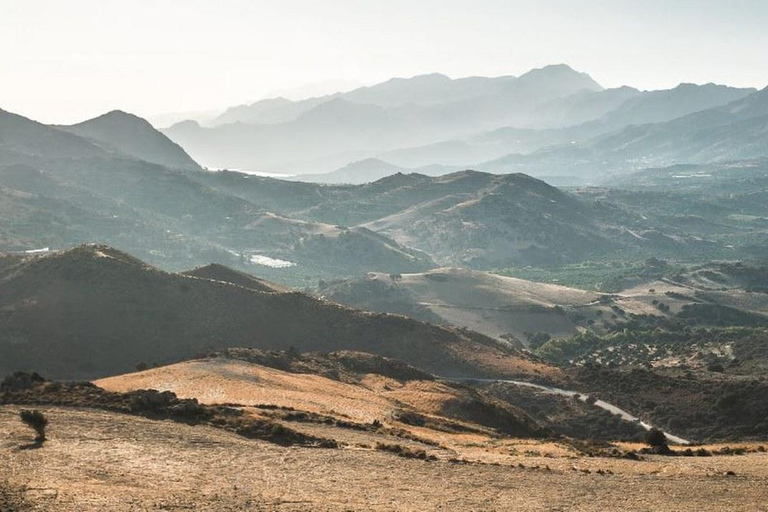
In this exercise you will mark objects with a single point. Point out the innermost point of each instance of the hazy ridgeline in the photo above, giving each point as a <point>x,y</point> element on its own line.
<point>520,286</point>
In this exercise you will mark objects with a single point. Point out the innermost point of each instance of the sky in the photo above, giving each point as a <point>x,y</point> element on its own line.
<point>67,61</point>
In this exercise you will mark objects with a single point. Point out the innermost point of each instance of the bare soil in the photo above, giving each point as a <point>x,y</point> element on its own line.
<point>97,460</point>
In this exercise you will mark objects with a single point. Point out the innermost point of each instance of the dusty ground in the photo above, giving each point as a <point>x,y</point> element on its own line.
<point>98,460</point>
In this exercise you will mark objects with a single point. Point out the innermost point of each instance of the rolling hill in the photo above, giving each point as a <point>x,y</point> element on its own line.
<point>363,171</point>
<point>22,139</point>
<point>482,220</point>
<point>217,272</point>
<point>347,386</point>
<point>94,311</point>
<point>504,308</point>
<point>163,214</point>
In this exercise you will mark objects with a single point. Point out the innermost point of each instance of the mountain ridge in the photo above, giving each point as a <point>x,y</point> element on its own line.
<point>59,314</point>
<point>133,136</point>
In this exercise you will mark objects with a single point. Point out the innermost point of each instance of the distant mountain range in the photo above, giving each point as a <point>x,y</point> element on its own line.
<point>735,130</point>
<point>280,135</point>
<point>503,124</point>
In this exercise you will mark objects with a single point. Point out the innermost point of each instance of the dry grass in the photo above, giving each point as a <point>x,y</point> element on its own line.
<point>98,460</point>
<point>226,381</point>
<point>392,403</point>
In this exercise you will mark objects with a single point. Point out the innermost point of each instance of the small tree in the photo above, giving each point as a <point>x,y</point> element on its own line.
<point>37,422</point>
<point>655,438</point>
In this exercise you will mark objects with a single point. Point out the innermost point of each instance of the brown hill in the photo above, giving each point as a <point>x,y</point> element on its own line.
<point>94,311</point>
<point>346,386</point>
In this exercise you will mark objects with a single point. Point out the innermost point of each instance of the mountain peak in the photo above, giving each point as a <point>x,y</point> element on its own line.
<point>562,73</point>
<point>134,136</point>
<point>121,113</point>
<point>116,116</point>
<point>427,77</point>
<point>186,124</point>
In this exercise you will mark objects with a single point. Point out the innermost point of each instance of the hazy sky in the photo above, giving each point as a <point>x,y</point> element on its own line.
<point>65,61</point>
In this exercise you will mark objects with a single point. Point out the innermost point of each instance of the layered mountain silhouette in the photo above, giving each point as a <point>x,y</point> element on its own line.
<point>398,113</point>
<point>437,123</point>
<point>732,131</point>
<point>116,180</point>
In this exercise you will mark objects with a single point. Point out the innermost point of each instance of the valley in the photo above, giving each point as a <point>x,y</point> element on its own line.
<point>516,286</point>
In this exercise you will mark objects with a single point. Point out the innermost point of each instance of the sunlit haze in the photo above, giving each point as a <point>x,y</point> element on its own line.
<point>67,61</point>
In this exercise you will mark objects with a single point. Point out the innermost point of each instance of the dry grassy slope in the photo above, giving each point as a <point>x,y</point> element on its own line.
<point>97,460</point>
<point>369,397</point>
<point>500,307</point>
<point>493,305</point>
<point>697,286</point>
<point>94,311</point>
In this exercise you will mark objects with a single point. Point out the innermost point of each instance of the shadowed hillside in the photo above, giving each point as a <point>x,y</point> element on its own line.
<point>216,272</point>
<point>486,221</point>
<point>94,311</point>
<point>62,190</point>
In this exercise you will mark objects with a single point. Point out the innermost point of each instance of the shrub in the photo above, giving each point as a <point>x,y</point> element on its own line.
<point>20,381</point>
<point>655,438</point>
<point>537,339</point>
<point>409,417</point>
<point>716,368</point>
<point>403,451</point>
<point>37,422</point>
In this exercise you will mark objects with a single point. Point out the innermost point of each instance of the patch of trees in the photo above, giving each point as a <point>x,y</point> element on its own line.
<point>699,408</point>
<point>537,339</point>
<point>722,316</point>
